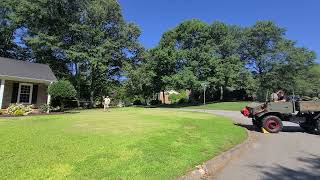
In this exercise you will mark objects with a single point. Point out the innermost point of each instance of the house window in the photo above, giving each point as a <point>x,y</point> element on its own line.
<point>25,93</point>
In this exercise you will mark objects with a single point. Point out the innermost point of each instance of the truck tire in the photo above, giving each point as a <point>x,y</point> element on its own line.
<point>272,124</point>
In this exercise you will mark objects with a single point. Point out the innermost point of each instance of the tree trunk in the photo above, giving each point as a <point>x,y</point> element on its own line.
<point>145,101</point>
<point>221,93</point>
<point>77,68</point>
<point>91,87</point>
<point>164,97</point>
<point>62,106</point>
<point>91,99</point>
<point>190,95</point>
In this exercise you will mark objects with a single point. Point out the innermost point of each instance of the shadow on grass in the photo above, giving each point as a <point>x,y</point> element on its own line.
<point>173,105</point>
<point>72,112</point>
<point>184,105</point>
<point>309,171</point>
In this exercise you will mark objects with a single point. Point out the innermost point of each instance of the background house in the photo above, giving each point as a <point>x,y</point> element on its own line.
<point>165,99</point>
<point>24,82</point>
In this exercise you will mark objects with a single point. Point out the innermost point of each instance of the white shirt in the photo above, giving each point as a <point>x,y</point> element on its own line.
<point>107,100</point>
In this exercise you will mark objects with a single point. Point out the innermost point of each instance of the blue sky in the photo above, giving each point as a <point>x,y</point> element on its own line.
<point>300,18</point>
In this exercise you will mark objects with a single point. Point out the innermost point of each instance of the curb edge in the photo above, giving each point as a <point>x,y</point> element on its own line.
<point>211,167</point>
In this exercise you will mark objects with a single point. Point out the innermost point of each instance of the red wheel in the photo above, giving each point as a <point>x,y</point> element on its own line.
<point>272,124</point>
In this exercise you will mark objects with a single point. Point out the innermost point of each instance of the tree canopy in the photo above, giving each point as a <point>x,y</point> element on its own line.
<point>252,59</point>
<point>85,41</point>
<point>89,43</point>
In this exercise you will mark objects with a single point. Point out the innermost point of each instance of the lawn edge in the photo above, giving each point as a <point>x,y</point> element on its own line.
<point>210,168</point>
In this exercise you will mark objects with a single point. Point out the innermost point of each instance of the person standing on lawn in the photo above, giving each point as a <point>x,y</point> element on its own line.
<point>106,103</point>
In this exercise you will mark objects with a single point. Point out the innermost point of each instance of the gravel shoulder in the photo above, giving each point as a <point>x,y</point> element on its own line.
<point>291,154</point>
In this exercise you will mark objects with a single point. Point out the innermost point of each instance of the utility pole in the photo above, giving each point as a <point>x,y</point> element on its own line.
<point>204,86</point>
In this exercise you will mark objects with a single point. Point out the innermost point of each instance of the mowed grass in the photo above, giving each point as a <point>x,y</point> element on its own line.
<point>231,106</point>
<point>128,143</point>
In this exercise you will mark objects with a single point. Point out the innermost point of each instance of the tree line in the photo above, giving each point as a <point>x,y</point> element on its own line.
<point>89,43</point>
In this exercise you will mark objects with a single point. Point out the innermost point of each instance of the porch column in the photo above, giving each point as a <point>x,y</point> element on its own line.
<point>2,91</point>
<point>48,101</point>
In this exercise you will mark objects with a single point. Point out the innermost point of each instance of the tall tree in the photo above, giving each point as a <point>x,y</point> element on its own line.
<point>162,63</point>
<point>86,41</point>
<point>191,60</point>
<point>226,40</point>
<point>139,81</point>
<point>276,61</point>
<point>202,53</point>
<point>10,34</point>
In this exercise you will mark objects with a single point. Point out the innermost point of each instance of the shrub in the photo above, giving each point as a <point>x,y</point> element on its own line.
<point>183,101</point>
<point>45,108</point>
<point>19,109</point>
<point>62,90</point>
<point>155,102</point>
<point>174,98</point>
<point>55,109</point>
<point>137,102</point>
<point>18,112</point>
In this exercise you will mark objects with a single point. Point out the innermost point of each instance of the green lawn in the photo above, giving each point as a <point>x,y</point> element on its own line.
<point>128,143</point>
<point>232,106</point>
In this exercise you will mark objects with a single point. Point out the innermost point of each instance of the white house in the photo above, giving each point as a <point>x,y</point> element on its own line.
<point>24,82</point>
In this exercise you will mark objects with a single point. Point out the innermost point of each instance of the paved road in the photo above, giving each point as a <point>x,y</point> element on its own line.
<point>288,155</point>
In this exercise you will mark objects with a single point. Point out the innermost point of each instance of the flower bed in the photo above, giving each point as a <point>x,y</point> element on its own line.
<point>26,110</point>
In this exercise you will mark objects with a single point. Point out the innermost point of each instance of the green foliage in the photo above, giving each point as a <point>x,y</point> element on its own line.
<point>180,97</point>
<point>276,61</point>
<point>139,82</point>
<point>45,108</point>
<point>89,36</point>
<point>196,52</point>
<point>19,109</point>
<point>247,81</point>
<point>62,89</point>
<point>254,59</point>
<point>155,102</point>
<point>308,83</point>
<point>93,38</point>
<point>118,94</point>
<point>137,102</point>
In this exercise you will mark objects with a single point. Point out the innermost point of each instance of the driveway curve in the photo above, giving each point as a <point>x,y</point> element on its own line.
<point>291,154</point>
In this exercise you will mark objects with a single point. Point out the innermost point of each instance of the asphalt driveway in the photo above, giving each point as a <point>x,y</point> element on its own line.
<point>292,154</point>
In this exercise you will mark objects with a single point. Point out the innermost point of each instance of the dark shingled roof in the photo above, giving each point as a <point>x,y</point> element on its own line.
<point>23,69</point>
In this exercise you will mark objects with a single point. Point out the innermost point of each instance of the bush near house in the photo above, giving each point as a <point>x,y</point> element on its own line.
<point>62,90</point>
<point>155,102</point>
<point>19,109</point>
<point>137,102</point>
<point>45,108</point>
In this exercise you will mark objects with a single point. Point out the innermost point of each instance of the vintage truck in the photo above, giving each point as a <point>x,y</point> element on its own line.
<point>269,115</point>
